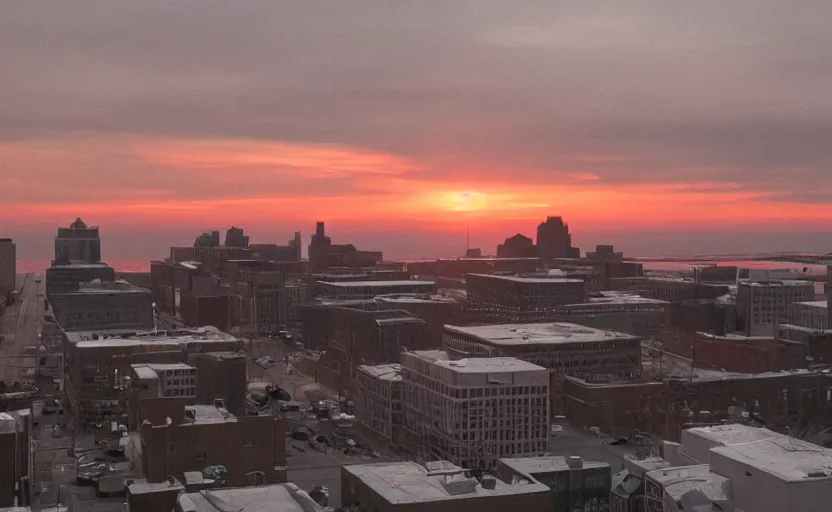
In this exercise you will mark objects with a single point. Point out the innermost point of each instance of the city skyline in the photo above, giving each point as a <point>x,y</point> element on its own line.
<point>663,130</point>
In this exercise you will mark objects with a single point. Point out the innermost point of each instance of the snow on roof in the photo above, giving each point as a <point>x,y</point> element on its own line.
<point>703,375</point>
<point>677,481</point>
<point>784,457</point>
<point>265,498</point>
<point>387,372</point>
<point>537,280</point>
<point>134,337</point>
<point>536,334</point>
<point>143,486</point>
<point>415,298</point>
<point>815,304</point>
<point>375,284</point>
<point>477,364</point>
<point>779,283</point>
<point>144,372</point>
<point>408,482</point>
<point>205,414</point>
<point>529,466</point>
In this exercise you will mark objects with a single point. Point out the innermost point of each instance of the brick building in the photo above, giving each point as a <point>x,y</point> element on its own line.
<point>619,311</point>
<point>97,362</point>
<point>379,400</point>
<point>563,349</point>
<point>738,353</point>
<point>349,290</point>
<point>668,288</point>
<point>177,438</point>
<point>439,486</point>
<point>143,496</point>
<point>436,311</point>
<point>221,375</point>
<point>372,337</point>
<point>493,298</point>
<point>476,410</point>
<point>812,315</point>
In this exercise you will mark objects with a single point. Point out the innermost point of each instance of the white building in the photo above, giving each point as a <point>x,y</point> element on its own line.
<point>762,305</point>
<point>379,401</point>
<point>168,380</point>
<point>474,411</point>
<point>811,315</point>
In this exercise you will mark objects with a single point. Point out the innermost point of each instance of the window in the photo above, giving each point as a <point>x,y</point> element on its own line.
<point>200,456</point>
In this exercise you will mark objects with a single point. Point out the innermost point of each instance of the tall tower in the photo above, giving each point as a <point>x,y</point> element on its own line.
<point>8,266</point>
<point>319,249</point>
<point>78,243</point>
<point>553,239</point>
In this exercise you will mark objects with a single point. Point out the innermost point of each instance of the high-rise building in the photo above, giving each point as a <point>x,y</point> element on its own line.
<point>296,243</point>
<point>763,304</point>
<point>78,243</point>
<point>319,249</point>
<point>8,266</point>
<point>553,239</point>
<point>211,239</point>
<point>234,237</point>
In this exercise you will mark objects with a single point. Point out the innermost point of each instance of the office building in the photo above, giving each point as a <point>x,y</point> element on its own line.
<point>78,243</point>
<point>619,311</point>
<point>103,305</point>
<point>762,305</point>
<point>564,349</point>
<point>319,247</point>
<point>8,267</point>
<point>97,362</point>
<point>379,400</point>
<point>221,375</point>
<point>476,410</point>
<point>811,315</point>
<point>438,486</point>
<point>517,246</point>
<point>348,290</point>
<point>372,336</point>
<point>495,298</point>
<point>575,484</point>
<point>177,438</point>
<point>436,311</point>
<point>235,237</point>
<point>554,240</point>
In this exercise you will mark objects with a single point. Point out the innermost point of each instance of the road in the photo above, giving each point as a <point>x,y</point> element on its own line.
<point>22,322</point>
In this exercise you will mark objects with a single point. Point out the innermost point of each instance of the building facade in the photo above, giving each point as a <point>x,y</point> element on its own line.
<point>811,315</point>
<point>379,400</point>
<point>8,266</point>
<point>762,305</point>
<point>78,243</point>
<point>495,298</point>
<point>103,305</point>
<point>476,410</point>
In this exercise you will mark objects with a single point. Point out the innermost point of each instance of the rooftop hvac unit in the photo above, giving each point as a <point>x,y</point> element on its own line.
<point>574,462</point>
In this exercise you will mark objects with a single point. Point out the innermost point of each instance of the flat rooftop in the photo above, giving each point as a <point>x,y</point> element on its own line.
<point>415,298</point>
<point>375,284</point>
<point>207,414</point>
<point>529,466</point>
<point>784,457</point>
<point>133,337</point>
<point>815,304</point>
<point>144,487</point>
<point>677,481</point>
<point>703,375</point>
<point>282,497</point>
<point>477,364</point>
<point>408,482</point>
<point>536,334</point>
<point>531,280</point>
<point>388,372</point>
<point>777,283</point>
<point>731,434</point>
<point>620,298</point>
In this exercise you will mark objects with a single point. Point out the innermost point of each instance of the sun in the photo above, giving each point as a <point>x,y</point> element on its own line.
<point>467,201</point>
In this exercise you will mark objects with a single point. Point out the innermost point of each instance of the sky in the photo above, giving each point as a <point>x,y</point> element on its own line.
<point>662,127</point>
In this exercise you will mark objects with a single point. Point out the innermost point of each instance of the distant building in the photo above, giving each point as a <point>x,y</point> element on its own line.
<point>372,337</point>
<point>619,311</point>
<point>319,249</point>
<point>762,305</point>
<point>8,266</point>
<point>460,267</point>
<point>671,289</point>
<point>211,258</point>
<point>811,315</point>
<point>517,246</point>
<point>554,240</point>
<point>78,243</point>
<point>379,400</point>
<point>473,411</point>
<point>438,485</point>
<point>221,375</point>
<point>496,298</point>
<point>436,310</point>
<point>234,237</point>
<point>473,252</point>
<point>605,253</point>
<point>177,438</point>
<point>575,484</point>
<point>211,239</point>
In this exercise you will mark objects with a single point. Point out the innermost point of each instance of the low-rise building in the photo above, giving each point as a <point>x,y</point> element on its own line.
<point>811,315</point>
<point>671,489</point>
<point>619,311</point>
<point>347,290</point>
<point>221,375</point>
<point>496,298</point>
<point>177,438</point>
<point>143,496</point>
<point>282,497</point>
<point>379,400</point>
<point>476,410</point>
<point>372,337</point>
<point>575,484</point>
<point>439,486</point>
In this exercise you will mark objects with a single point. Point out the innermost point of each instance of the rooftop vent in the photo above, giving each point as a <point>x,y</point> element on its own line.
<point>488,482</point>
<point>574,462</point>
<point>818,473</point>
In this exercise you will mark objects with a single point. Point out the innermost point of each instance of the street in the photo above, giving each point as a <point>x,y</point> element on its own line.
<point>21,324</point>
